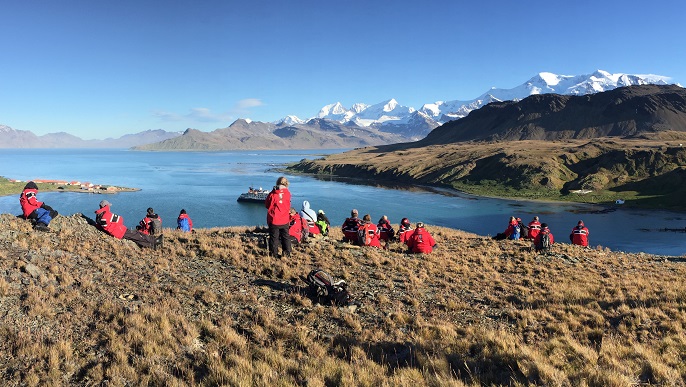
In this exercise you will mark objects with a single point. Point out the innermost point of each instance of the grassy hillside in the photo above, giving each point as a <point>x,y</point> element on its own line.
<point>78,307</point>
<point>644,172</point>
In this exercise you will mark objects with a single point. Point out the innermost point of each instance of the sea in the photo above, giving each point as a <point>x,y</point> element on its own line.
<point>207,184</point>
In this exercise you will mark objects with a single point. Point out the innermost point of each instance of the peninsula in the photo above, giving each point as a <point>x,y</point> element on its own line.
<point>13,186</point>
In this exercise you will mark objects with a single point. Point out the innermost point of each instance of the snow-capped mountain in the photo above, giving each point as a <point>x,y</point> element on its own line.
<point>391,116</point>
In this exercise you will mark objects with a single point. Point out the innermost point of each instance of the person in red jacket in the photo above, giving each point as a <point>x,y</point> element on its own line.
<point>278,204</point>
<point>386,231</point>
<point>579,235</point>
<point>420,241</point>
<point>184,222</point>
<point>544,233</point>
<point>39,213</point>
<point>113,224</point>
<point>350,227</point>
<point>151,224</point>
<point>404,230</point>
<point>368,234</point>
<point>534,228</point>
<point>297,227</point>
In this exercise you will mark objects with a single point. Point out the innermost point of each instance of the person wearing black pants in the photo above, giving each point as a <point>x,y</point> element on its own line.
<point>278,204</point>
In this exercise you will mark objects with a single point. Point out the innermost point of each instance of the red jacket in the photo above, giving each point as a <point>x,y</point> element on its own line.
<point>537,240</point>
<point>420,241</point>
<point>385,230</point>
<point>371,235</point>
<point>350,227</point>
<point>29,202</point>
<point>145,224</point>
<point>297,224</point>
<point>278,204</point>
<point>404,233</point>
<point>579,235</point>
<point>534,229</point>
<point>185,216</point>
<point>110,223</point>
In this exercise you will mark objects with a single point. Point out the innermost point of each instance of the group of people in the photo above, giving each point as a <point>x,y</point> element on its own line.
<point>148,232</point>
<point>365,233</point>
<point>540,234</point>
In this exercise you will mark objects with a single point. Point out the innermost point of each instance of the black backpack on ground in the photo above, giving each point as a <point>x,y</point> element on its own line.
<point>323,287</point>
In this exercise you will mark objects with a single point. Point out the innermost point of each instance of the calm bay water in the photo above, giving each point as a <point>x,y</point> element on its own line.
<point>207,184</point>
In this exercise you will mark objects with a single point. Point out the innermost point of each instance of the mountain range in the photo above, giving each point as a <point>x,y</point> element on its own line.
<point>336,126</point>
<point>12,138</point>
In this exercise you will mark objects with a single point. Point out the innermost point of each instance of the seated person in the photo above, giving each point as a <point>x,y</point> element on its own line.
<point>323,222</point>
<point>544,239</point>
<point>39,213</point>
<point>113,224</point>
<point>420,241</point>
<point>297,227</point>
<point>310,217</point>
<point>386,232</point>
<point>350,227</point>
<point>404,230</point>
<point>368,233</point>
<point>151,224</point>
<point>534,228</point>
<point>184,222</point>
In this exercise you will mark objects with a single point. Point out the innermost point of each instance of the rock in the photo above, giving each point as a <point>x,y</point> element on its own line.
<point>32,270</point>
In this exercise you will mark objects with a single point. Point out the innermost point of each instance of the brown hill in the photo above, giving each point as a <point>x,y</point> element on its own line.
<point>623,112</point>
<point>78,307</point>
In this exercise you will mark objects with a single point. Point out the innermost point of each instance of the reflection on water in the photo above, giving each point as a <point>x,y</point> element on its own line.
<point>207,185</point>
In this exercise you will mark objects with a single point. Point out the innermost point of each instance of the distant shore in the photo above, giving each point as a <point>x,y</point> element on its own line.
<point>10,187</point>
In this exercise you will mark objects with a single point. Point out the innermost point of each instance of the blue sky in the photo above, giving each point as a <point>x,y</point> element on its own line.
<point>100,69</point>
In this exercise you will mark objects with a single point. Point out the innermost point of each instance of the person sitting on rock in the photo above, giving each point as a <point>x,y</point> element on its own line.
<point>368,233</point>
<point>544,239</point>
<point>404,230</point>
<point>323,222</point>
<point>297,227</point>
<point>534,228</point>
<point>310,217</point>
<point>350,227</point>
<point>151,224</point>
<point>579,235</point>
<point>113,225</point>
<point>386,231</point>
<point>184,222</point>
<point>513,229</point>
<point>420,241</point>
<point>39,213</point>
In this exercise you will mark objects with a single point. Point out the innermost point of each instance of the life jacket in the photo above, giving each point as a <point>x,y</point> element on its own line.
<point>110,223</point>
<point>29,202</point>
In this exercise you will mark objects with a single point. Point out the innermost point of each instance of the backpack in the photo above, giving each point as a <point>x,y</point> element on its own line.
<point>544,244</point>
<point>155,225</point>
<point>183,225</point>
<point>325,289</point>
<point>364,238</point>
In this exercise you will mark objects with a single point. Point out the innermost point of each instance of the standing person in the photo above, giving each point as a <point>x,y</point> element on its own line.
<point>534,228</point>
<point>310,217</point>
<point>420,241</point>
<point>512,231</point>
<point>579,235</point>
<point>278,204</point>
<point>544,239</point>
<point>323,222</point>
<point>386,231</point>
<point>113,224</point>
<point>151,224</point>
<point>350,227</point>
<point>404,230</point>
<point>39,213</point>
<point>184,222</point>
<point>368,233</point>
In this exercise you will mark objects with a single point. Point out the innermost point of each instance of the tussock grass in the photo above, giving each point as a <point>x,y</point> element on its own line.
<point>211,308</point>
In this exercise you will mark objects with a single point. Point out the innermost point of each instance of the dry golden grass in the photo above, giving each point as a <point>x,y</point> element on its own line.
<point>211,308</point>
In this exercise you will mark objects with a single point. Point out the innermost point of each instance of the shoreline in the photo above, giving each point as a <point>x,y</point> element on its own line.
<point>10,187</point>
